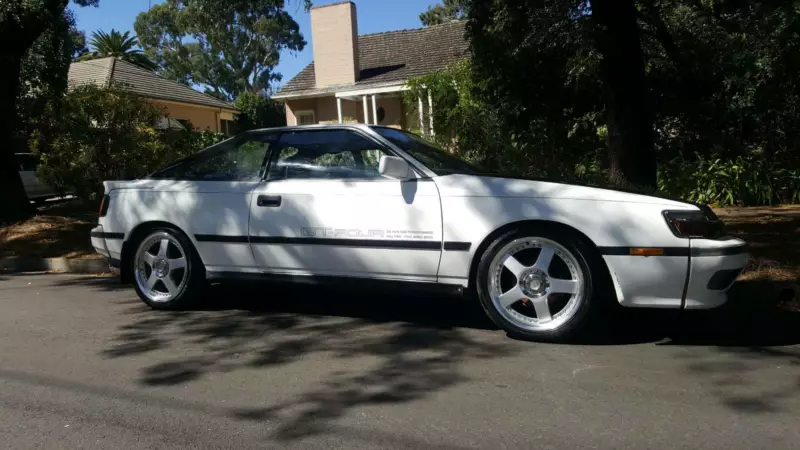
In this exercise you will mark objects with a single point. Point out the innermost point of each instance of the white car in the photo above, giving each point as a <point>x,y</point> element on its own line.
<point>34,188</point>
<point>367,202</point>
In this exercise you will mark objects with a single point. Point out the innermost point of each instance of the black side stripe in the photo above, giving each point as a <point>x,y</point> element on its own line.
<point>722,251</point>
<point>362,243</point>
<point>454,246</point>
<point>103,235</point>
<point>679,251</point>
<point>220,238</point>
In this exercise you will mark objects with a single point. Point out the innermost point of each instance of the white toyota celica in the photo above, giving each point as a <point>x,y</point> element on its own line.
<point>369,202</point>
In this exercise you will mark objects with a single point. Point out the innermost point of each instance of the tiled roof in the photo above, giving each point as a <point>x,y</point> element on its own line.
<point>105,71</point>
<point>392,57</point>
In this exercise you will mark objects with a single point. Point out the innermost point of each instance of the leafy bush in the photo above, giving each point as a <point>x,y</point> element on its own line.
<point>95,134</point>
<point>742,181</point>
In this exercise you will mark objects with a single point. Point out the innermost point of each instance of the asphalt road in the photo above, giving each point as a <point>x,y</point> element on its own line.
<point>84,365</point>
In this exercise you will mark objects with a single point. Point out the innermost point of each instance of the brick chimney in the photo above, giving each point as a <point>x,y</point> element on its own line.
<point>334,34</point>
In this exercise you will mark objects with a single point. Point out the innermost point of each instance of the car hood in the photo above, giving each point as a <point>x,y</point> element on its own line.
<point>485,186</point>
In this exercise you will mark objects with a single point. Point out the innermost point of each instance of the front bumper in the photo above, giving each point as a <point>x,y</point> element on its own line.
<point>713,267</point>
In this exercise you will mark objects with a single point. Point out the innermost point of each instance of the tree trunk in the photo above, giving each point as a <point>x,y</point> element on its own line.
<point>628,116</point>
<point>14,202</point>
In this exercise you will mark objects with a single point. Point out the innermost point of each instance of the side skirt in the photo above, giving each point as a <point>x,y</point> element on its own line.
<point>345,282</point>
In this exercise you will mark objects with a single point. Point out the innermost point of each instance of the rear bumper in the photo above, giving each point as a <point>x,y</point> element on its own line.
<point>713,267</point>
<point>107,244</point>
<point>98,241</point>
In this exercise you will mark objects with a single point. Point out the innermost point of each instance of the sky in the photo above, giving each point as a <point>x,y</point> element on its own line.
<point>373,16</point>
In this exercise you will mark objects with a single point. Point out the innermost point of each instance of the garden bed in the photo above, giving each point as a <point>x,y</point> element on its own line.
<point>56,231</point>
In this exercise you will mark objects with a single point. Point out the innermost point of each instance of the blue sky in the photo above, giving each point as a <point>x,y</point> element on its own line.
<point>373,16</point>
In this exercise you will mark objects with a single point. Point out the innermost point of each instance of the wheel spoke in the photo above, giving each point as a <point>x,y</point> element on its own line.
<point>544,259</point>
<point>170,285</point>
<point>162,249</point>
<point>149,259</point>
<point>563,286</point>
<point>177,263</point>
<point>514,266</point>
<point>510,297</point>
<point>152,280</point>
<point>542,309</point>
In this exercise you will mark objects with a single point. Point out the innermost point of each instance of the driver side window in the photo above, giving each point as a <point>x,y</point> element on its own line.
<point>326,154</point>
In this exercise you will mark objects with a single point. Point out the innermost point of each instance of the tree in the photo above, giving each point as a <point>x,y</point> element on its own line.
<point>44,77</point>
<point>120,45</point>
<point>227,47</point>
<point>78,38</point>
<point>446,11</point>
<point>256,111</point>
<point>100,134</point>
<point>543,60</point>
<point>629,120</point>
<point>21,24</point>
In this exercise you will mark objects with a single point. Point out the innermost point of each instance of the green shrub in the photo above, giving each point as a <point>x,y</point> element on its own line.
<point>743,181</point>
<point>95,134</point>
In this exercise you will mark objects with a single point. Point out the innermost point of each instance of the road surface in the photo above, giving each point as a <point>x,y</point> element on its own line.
<point>83,364</point>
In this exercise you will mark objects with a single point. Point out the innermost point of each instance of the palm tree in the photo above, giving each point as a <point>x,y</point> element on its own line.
<point>120,45</point>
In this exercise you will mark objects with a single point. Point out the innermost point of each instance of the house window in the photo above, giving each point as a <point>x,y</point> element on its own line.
<point>305,118</point>
<point>186,123</point>
<point>226,127</point>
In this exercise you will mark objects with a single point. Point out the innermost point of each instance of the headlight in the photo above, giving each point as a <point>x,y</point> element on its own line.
<point>695,224</point>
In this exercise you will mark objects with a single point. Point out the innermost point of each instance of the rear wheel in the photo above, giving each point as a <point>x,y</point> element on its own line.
<point>536,285</point>
<point>165,271</point>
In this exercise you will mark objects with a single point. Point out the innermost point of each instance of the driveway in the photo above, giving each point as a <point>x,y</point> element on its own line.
<point>84,364</point>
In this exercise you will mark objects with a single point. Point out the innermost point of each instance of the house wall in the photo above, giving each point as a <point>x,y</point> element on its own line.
<point>299,105</point>
<point>352,111</point>
<point>202,118</point>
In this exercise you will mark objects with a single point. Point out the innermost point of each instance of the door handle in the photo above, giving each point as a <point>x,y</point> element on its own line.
<point>269,200</point>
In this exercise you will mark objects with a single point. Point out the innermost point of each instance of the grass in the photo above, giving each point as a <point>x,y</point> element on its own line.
<point>59,230</point>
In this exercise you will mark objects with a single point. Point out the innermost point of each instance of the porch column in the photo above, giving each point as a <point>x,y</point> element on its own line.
<point>339,108</point>
<point>374,111</point>
<point>430,112</point>
<point>366,110</point>
<point>421,116</point>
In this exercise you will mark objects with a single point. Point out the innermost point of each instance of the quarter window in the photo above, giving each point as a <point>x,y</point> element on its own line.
<point>329,154</point>
<point>234,160</point>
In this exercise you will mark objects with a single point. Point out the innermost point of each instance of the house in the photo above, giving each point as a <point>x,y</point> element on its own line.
<point>361,78</point>
<point>183,104</point>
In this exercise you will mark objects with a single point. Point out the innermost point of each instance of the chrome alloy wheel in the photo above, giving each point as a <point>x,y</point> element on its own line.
<point>536,283</point>
<point>161,270</point>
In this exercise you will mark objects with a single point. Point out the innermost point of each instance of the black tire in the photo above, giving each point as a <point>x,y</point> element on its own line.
<point>580,324</point>
<point>190,292</point>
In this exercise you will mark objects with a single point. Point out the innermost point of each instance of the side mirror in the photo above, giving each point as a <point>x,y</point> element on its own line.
<point>394,167</point>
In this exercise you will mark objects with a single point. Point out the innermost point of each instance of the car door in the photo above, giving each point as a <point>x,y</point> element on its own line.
<point>326,210</point>
<point>208,196</point>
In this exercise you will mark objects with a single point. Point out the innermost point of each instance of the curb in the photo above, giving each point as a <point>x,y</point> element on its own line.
<point>65,265</point>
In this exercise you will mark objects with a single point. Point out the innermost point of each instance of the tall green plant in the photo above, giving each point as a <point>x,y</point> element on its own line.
<point>119,45</point>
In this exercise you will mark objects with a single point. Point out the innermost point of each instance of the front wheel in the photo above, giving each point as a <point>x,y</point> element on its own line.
<point>165,272</point>
<point>536,285</point>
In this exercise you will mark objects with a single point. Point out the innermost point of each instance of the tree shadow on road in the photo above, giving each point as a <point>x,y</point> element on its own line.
<point>390,348</point>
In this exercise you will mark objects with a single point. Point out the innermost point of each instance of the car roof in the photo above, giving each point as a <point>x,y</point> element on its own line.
<point>321,126</point>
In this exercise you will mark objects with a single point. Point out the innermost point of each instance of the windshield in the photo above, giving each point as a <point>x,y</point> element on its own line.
<point>435,159</point>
